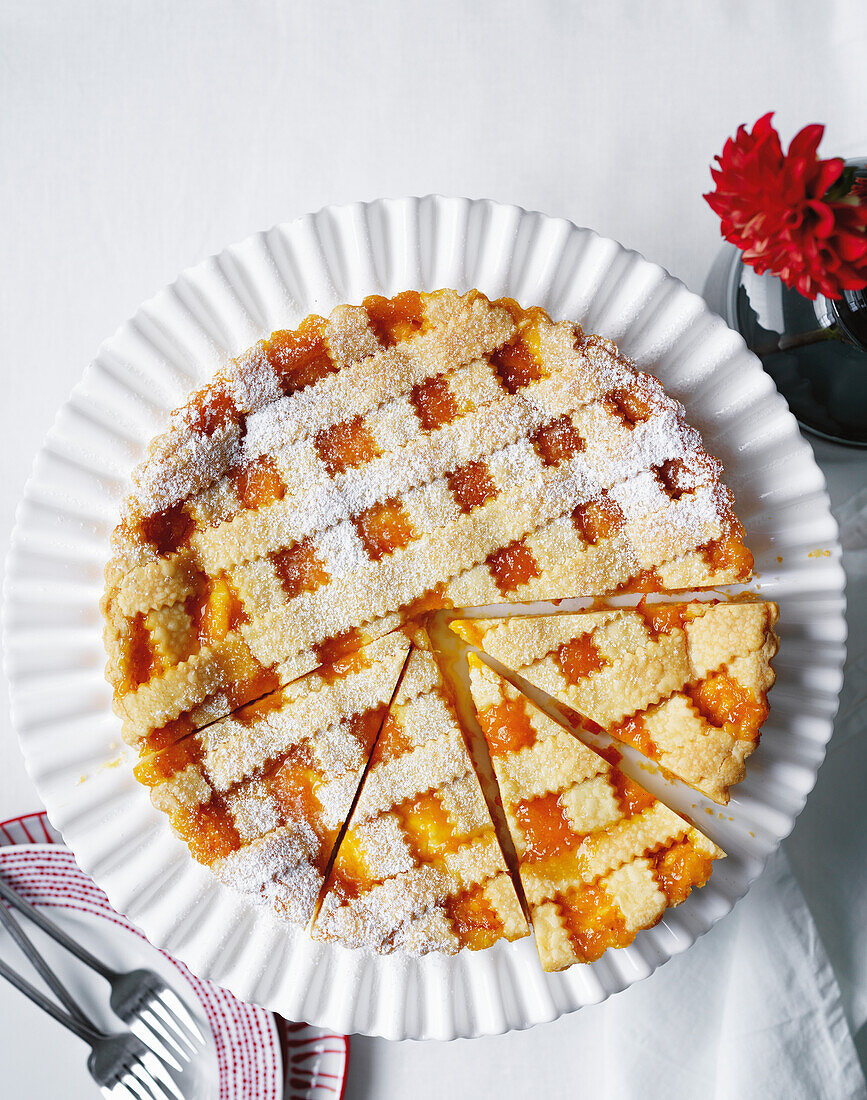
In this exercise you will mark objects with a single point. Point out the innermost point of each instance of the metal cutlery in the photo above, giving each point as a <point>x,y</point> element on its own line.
<point>140,998</point>
<point>121,1065</point>
<point>128,1064</point>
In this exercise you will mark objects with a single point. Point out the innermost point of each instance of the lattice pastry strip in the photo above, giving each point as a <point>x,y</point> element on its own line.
<point>686,684</point>
<point>260,796</point>
<point>419,867</point>
<point>599,858</point>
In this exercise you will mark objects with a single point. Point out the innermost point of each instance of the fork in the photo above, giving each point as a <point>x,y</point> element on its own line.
<point>152,1011</point>
<point>121,1064</point>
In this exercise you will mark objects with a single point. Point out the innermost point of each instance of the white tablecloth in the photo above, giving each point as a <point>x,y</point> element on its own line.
<point>138,138</point>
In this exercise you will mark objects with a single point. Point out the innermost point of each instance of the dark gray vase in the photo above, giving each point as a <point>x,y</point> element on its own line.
<point>816,352</point>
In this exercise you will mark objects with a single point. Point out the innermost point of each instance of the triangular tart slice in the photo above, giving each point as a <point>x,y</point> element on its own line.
<point>260,796</point>
<point>419,867</point>
<point>685,683</point>
<point>599,857</point>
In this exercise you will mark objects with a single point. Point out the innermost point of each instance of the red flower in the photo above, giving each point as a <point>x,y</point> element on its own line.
<point>776,207</point>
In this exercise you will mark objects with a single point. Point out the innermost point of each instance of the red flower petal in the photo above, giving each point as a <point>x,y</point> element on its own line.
<point>772,205</point>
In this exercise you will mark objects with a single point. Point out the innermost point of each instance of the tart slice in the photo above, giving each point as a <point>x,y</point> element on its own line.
<point>419,867</point>
<point>430,450</point>
<point>599,858</point>
<point>260,796</point>
<point>685,683</point>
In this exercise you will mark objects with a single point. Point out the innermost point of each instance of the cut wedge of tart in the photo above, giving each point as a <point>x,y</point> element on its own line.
<point>419,867</point>
<point>260,796</point>
<point>599,857</point>
<point>685,683</point>
<point>429,450</point>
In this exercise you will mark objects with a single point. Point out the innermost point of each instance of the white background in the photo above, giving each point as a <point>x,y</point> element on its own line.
<point>137,138</point>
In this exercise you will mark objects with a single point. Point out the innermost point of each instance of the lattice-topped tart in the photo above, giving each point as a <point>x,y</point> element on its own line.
<point>342,481</point>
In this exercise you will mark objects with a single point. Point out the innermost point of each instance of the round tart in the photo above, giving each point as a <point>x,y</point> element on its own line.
<point>287,535</point>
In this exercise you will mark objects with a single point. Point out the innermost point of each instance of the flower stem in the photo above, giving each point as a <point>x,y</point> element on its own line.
<point>799,340</point>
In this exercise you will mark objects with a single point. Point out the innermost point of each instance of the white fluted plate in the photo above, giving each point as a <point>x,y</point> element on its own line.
<point>53,632</point>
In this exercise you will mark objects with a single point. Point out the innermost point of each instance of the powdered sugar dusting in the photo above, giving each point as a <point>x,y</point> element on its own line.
<point>280,871</point>
<point>376,916</point>
<point>254,382</point>
<point>196,463</point>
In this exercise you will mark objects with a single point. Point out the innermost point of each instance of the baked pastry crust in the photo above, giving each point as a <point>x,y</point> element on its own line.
<point>685,683</point>
<point>420,868</point>
<point>430,450</point>
<point>599,858</point>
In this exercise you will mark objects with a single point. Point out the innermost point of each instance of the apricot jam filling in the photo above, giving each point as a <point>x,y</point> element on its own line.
<point>365,727</point>
<point>473,919</point>
<point>220,613</point>
<point>213,408</point>
<point>168,762</point>
<point>680,868</point>
<point>729,553</point>
<point>507,727</point>
<point>593,922</point>
<point>345,446</point>
<point>598,519</point>
<point>350,873</point>
<point>208,830</point>
<point>167,734</point>
<point>433,403</point>
<point>513,566</point>
<point>349,662</point>
<point>261,682</point>
<point>648,580</point>
<point>579,658</point>
<point>516,366</point>
<point>140,656</point>
<point>298,568</point>
<point>294,787</point>
<point>628,406</point>
<point>663,618</point>
<point>395,319</point>
<point>472,485</point>
<point>558,441</point>
<point>433,600</point>
<point>546,828</point>
<point>671,475</point>
<point>331,652</point>
<point>166,531</point>
<point>259,708</point>
<point>634,732</point>
<point>632,798</point>
<point>723,701</point>
<point>427,826</point>
<point>300,357</point>
<point>259,484</point>
<point>393,741</point>
<point>384,528</point>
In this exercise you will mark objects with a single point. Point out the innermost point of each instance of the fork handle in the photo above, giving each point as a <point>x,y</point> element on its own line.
<point>88,1034</point>
<point>51,929</point>
<point>41,966</point>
